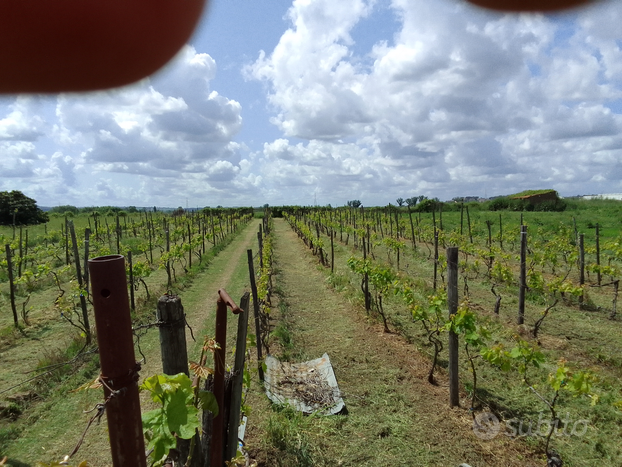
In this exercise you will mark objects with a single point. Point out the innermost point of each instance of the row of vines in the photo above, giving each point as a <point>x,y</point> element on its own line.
<point>57,258</point>
<point>398,262</point>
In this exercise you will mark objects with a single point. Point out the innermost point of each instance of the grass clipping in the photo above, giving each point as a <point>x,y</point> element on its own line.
<point>310,387</point>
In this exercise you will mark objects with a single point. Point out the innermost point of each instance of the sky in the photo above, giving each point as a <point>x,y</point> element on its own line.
<point>317,102</point>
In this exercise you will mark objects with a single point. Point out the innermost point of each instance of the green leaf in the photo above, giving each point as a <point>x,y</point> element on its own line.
<point>162,441</point>
<point>151,418</point>
<point>181,418</point>
<point>208,402</point>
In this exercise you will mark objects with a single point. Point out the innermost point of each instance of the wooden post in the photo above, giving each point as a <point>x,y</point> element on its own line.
<point>469,223</point>
<point>211,216</point>
<point>461,217</point>
<point>523,274</point>
<point>500,232</point>
<point>87,236</point>
<point>11,284</point>
<point>412,228</point>
<point>598,275</point>
<point>452,303</point>
<point>366,282</point>
<point>616,285</point>
<point>490,255</point>
<point>170,314</point>
<point>26,247</point>
<point>131,266</point>
<point>85,314</point>
<point>168,261</point>
<point>190,250</point>
<point>150,234</point>
<point>260,242</point>
<point>435,258</point>
<point>66,234</point>
<point>119,370</point>
<point>440,215</point>
<point>251,272</point>
<point>20,256</point>
<point>581,263</point>
<point>237,379</point>
<point>118,236</point>
<point>332,251</point>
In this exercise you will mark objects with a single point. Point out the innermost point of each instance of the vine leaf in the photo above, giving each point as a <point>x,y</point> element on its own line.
<point>201,371</point>
<point>208,402</point>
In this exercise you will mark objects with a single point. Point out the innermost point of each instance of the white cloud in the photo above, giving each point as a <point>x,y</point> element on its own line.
<point>461,100</point>
<point>162,128</point>
<point>453,101</point>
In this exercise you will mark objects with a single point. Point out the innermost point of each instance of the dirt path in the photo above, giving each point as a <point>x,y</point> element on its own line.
<point>394,416</point>
<point>200,314</point>
<point>42,439</point>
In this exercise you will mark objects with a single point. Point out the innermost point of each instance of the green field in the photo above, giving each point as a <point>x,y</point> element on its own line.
<point>396,417</point>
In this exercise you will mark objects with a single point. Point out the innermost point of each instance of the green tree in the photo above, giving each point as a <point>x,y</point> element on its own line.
<point>64,209</point>
<point>19,208</point>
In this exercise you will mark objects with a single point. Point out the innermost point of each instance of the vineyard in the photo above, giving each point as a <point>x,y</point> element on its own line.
<point>535,328</point>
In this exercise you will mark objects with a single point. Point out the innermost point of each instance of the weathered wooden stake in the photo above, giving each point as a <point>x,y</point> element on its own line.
<point>452,303</point>
<point>598,275</point>
<point>131,267</point>
<point>523,274</point>
<point>87,236</point>
<point>168,261</point>
<point>412,227</point>
<point>260,242</point>
<point>581,263</point>
<point>461,217</point>
<point>170,314</point>
<point>616,285</point>
<point>332,251</point>
<point>11,283</point>
<point>251,272</point>
<point>118,229</point>
<point>469,224</point>
<point>435,258</point>
<point>85,314</point>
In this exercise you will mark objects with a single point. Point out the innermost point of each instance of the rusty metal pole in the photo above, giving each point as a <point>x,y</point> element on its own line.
<point>119,371</point>
<point>218,425</point>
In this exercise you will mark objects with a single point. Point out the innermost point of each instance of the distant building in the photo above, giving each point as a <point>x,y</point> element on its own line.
<point>617,196</point>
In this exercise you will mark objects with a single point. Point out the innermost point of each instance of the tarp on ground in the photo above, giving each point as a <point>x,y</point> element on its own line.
<point>310,387</point>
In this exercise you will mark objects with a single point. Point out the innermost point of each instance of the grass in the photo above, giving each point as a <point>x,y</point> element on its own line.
<point>287,432</point>
<point>37,430</point>
<point>586,338</point>
<point>393,418</point>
